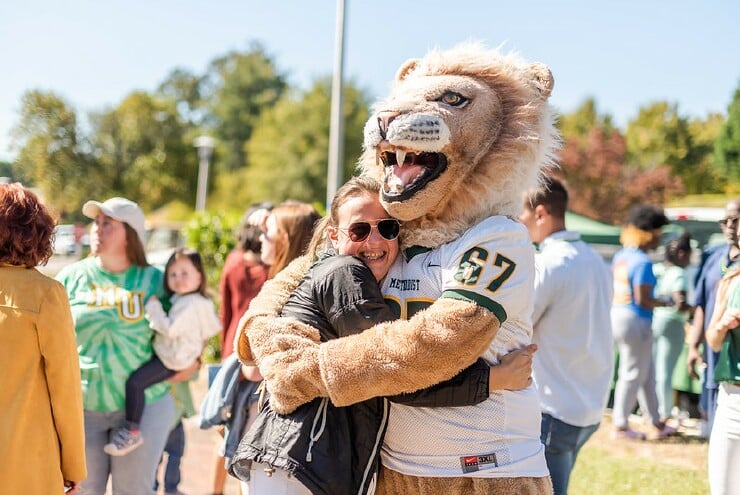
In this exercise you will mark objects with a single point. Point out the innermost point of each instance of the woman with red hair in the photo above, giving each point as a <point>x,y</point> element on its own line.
<point>43,447</point>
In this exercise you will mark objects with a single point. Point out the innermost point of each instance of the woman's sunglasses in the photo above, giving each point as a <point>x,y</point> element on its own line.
<point>359,231</point>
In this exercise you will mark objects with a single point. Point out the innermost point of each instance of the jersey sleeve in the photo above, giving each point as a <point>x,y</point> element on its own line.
<point>491,265</point>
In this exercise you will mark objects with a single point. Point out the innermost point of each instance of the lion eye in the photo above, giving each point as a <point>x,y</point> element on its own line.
<point>453,99</point>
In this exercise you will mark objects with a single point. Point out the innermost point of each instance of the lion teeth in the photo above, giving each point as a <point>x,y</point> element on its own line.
<point>400,156</point>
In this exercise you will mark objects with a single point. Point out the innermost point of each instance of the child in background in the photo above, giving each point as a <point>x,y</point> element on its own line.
<point>178,342</point>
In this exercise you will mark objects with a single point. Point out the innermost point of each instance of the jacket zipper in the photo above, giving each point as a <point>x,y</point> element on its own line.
<point>376,448</point>
<point>315,435</point>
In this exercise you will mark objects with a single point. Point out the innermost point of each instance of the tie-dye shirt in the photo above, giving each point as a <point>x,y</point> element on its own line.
<point>113,336</point>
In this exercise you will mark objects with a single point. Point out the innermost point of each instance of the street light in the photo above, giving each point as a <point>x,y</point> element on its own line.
<point>336,126</point>
<point>205,146</point>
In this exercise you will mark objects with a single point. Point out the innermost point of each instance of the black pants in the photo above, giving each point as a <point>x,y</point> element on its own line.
<point>147,375</point>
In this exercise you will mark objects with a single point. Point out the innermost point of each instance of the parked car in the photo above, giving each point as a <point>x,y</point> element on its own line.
<point>701,222</point>
<point>161,241</point>
<point>65,243</point>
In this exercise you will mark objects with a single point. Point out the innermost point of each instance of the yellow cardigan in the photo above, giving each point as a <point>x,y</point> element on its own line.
<point>42,438</point>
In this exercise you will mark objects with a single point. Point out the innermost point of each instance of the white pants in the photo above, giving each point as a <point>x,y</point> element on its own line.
<point>280,483</point>
<point>724,443</point>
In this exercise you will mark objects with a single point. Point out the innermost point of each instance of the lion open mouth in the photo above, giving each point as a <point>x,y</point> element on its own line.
<point>407,172</point>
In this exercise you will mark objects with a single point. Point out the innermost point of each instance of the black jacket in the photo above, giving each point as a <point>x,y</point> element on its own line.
<point>335,450</point>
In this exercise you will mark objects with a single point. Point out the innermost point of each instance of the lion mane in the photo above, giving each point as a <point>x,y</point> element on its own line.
<point>462,135</point>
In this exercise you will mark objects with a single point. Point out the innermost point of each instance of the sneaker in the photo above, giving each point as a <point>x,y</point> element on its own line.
<point>123,442</point>
<point>628,434</point>
<point>664,432</point>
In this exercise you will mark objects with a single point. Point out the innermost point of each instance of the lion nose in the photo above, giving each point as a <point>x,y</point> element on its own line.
<point>384,120</point>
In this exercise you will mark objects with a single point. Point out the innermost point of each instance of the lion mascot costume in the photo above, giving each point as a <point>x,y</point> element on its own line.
<point>461,137</point>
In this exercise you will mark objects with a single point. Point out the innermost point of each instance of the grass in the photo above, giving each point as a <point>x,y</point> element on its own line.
<point>675,466</point>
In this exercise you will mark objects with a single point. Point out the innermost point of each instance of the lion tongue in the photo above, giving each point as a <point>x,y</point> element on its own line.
<point>400,177</point>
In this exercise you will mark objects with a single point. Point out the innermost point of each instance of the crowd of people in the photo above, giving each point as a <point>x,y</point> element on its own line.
<point>97,385</point>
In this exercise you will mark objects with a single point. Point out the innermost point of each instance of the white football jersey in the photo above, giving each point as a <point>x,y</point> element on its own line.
<point>492,265</point>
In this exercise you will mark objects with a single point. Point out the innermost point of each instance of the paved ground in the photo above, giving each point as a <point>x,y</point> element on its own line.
<point>200,452</point>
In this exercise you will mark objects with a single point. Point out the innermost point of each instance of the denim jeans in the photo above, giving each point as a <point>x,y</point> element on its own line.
<point>175,449</point>
<point>562,444</point>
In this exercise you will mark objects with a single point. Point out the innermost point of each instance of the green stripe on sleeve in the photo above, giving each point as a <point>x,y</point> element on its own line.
<point>474,297</point>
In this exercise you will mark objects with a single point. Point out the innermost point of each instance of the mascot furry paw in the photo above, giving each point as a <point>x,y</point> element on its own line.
<point>462,135</point>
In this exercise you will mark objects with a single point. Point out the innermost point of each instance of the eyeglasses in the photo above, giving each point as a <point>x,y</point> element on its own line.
<point>729,220</point>
<point>359,231</point>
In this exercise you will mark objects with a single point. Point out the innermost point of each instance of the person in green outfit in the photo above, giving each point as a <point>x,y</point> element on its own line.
<point>107,292</point>
<point>669,322</point>
<point>723,336</point>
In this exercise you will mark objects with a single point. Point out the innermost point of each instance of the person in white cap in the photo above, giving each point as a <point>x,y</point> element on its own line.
<point>107,293</point>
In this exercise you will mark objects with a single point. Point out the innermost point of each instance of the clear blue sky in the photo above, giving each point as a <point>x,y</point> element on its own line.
<point>623,53</point>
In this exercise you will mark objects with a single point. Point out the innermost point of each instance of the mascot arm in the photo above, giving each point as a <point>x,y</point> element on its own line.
<point>390,358</point>
<point>254,330</point>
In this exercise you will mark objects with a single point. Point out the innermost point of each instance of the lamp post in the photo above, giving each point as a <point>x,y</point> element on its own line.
<point>205,146</point>
<point>336,126</point>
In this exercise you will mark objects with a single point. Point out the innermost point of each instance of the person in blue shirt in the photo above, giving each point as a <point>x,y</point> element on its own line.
<point>631,317</point>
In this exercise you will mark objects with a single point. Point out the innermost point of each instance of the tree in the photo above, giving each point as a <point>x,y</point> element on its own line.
<point>142,152</point>
<point>703,176</point>
<point>727,145</point>
<point>238,88</point>
<point>600,184</point>
<point>290,146</point>
<point>579,124</point>
<point>8,171</point>
<point>50,152</point>
<point>661,136</point>
<point>183,88</point>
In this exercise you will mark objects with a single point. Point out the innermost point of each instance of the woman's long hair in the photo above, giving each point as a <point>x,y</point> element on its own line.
<point>297,221</point>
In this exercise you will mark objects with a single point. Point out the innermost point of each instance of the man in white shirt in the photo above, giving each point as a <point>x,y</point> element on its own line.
<point>574,363</point>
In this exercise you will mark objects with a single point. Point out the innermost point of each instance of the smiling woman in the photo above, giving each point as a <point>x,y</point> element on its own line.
<point>355,246</point>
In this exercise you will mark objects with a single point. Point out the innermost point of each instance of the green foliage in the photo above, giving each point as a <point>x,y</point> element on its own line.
<point>703,176</point>
<point>660,136</point>
<point>238,87</point>
<point>727,145</point>
<point>183,88</point>
<point>212,234</point>
<point>142,152</point>
<point>50,153</point>
<point>290,149</point>
<point>600,184</point>
<point>13,173</point>
<point>577,126</point>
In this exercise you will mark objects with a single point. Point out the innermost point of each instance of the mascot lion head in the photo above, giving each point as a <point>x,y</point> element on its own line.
<point>462,135</point>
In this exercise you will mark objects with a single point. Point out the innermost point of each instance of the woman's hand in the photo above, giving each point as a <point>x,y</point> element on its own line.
<point>71,487</point>
<point>514,372</point>
<point>251,373</point>
<point>186,374</point>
